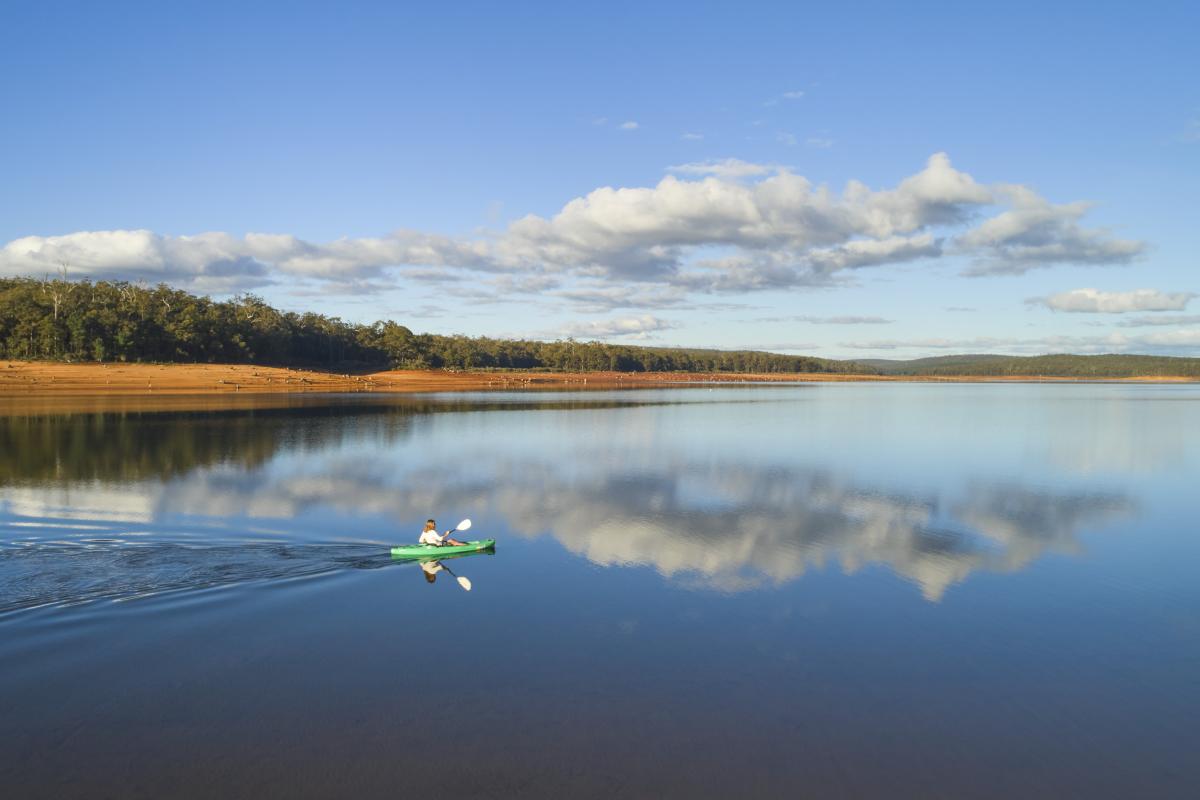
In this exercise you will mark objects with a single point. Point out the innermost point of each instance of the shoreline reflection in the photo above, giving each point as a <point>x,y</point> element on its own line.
<point>723,524</point>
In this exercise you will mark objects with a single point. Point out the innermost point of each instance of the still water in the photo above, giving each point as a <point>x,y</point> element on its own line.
<point>832,591</point>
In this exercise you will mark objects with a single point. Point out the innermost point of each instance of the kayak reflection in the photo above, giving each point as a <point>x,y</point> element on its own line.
<point>430,567</point>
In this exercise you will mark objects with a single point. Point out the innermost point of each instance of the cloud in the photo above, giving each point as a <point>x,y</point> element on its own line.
<point>795,94</point>
<point>937,195</point>
<point>819,142</point>
<point>783,137</point>
<point>1166,319</point>
<point>1094,301</point>
<point>211,262</point>
<point>779,347</point>
<point>219,262</point>
<point>740,274</point>
<point>873,252</point>
<point>433,275</point>
<point>362,290</point>
<point>727,169</point>
<point>775,223</point>
<point>1183,338</point>
<point>1036,233</point>
<point>692,137</point>
<point>639,327</point>
<point>846,320</point>
<point>1177,342</point>
<point>427,311</point>
<point>714,226</point>
<point>973,345</point>
<point>524,284</point>
<point>602,298</point>
<point>842,320</point>
<point>628,126</point>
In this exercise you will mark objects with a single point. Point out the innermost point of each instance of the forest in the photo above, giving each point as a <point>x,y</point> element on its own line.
<point>1110,365</point>
<point>62,320</point>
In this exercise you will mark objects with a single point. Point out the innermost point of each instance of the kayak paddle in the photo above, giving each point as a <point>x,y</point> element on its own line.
<point>463,582</point>
<point>465,525</point>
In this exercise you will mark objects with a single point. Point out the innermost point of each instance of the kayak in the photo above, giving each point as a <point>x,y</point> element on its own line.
<point>434,551</point>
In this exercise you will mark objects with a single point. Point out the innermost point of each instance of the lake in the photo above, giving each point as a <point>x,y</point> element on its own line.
<point>829,590</point>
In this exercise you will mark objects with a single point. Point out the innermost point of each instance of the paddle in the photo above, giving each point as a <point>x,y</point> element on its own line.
<point>463,582</point>
<point>465,525</point>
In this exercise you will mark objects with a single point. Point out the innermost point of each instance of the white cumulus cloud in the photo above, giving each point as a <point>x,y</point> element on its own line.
<point>639,327</point>
<point>713,226</point>
<point>1095,301</point>
<point>222,262</point>
<point>1035,233</point>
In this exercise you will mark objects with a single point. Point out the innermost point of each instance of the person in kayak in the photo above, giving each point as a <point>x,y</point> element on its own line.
<point>429,535</point>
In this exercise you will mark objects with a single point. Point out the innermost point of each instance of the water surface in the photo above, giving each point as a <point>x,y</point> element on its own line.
<point>856,590</point>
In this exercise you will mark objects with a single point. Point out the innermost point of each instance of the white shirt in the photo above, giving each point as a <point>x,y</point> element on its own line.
<point>430,537</point>
<point>431,567</point>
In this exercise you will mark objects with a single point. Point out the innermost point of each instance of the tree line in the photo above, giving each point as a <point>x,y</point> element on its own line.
<point>131,445</point>
<point>65,320</point>
<point>1062,365</point>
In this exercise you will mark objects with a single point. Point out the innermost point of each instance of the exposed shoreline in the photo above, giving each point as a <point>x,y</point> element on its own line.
<point>35,378</point>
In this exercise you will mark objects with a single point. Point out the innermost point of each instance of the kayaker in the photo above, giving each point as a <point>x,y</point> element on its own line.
<point>429,535</point>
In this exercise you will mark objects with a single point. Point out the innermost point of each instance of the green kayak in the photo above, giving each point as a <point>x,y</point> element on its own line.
<point>434,551</point>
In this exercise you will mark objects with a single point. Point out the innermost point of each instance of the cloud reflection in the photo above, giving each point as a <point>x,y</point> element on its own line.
<point>729,528</point>
<point>738,528</point>
<point>707,522</point>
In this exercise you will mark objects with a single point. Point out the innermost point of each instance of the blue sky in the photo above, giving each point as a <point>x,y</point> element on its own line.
<point>668,174</point>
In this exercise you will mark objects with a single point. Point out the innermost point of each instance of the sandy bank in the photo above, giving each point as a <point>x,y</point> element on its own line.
<point>40,379</point>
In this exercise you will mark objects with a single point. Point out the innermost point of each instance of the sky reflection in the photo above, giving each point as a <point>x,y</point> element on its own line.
<point>645,481</point>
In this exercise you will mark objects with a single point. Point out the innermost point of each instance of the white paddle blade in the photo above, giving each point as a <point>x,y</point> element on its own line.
<point>466,584</point>
<point>464,525</point>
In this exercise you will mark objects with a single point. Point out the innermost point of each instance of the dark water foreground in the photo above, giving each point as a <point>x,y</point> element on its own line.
<point>827,591</point>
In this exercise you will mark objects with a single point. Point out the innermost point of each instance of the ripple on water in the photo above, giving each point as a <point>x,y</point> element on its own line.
<point>68,573</point>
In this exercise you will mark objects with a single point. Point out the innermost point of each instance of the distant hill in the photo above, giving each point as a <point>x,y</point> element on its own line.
<point>891,366</point>
<point>1061,365</point>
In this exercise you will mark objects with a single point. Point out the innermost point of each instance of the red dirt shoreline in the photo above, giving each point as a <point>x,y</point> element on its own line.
<point>33,379</point>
